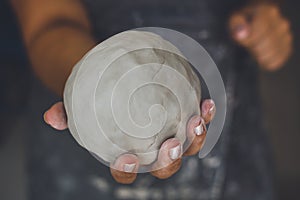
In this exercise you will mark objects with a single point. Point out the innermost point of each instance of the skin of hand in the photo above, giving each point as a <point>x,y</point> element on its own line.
<point>124,169</point>
<point>264,32</point>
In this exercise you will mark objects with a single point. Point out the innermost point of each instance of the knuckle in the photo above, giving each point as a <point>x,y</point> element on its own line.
<point>168,171</point>
<point>285,25</point>
<point>196,145</point>
<point>266,59</point>
<point>275,65</point>
<point>252,40</point>
<point>274,10</point>
<point>280,60</point>
<point>266,45</point>
<point>123,177</point>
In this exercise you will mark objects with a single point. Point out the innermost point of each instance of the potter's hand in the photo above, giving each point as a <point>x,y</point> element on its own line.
<point>169,159</point>
<point>264,32</point>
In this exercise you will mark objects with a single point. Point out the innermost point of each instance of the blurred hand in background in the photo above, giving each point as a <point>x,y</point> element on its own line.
<point>264,32</point>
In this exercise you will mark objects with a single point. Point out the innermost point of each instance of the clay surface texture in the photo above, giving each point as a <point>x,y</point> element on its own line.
<point>129,94</point>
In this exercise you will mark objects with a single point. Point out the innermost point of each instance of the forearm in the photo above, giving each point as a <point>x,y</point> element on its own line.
<point>54,54</point>
<point>56,34</point>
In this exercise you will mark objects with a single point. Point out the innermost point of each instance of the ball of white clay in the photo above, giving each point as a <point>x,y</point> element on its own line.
<point>129,94</point>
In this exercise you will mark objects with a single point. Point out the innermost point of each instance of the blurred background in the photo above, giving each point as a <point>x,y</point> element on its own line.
<point>277,89</point>
<point>281,90</point>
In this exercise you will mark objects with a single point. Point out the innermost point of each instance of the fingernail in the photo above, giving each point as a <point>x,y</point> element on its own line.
<point>199,130</point>
<point>241,31</point>
<point>175,152</point>
<point>129,167</point>
<point>212,108</point>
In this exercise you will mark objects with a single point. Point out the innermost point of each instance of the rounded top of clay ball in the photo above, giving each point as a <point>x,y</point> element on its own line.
<point>129,94</point>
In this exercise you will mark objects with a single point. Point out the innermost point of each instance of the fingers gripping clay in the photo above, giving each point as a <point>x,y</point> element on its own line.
<point>129,94</point>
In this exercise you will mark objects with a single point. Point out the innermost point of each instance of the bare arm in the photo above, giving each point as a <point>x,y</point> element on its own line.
<point>56,33</point>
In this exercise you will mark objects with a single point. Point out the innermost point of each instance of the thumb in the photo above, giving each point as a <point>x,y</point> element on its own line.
<point>56,116</point>
<point>239,26</point>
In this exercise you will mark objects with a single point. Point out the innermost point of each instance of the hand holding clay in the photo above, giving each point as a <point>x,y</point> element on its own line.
<point>133,101</point>
<point>56,117</point>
